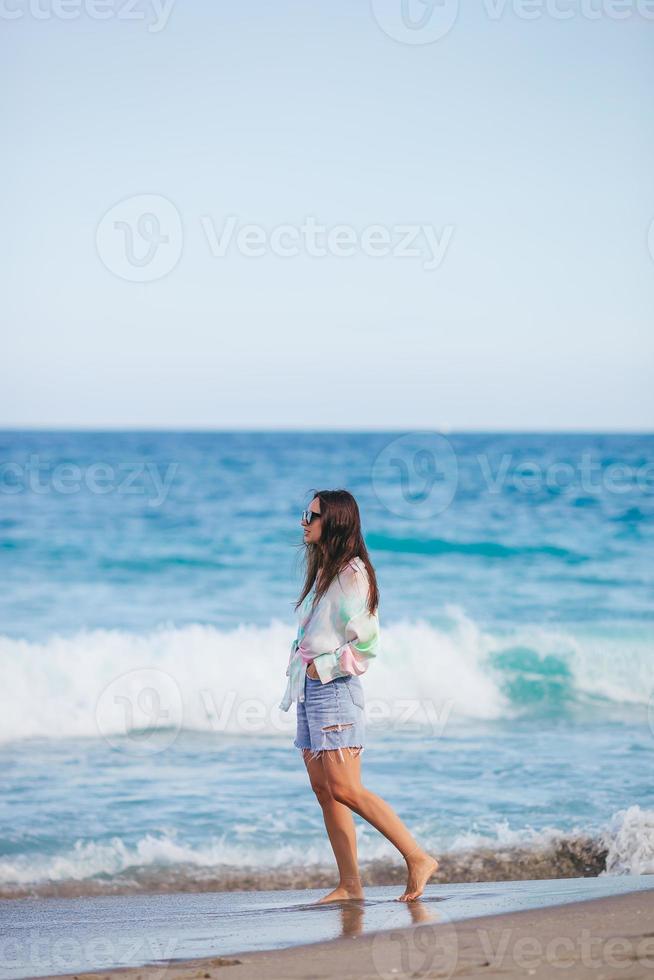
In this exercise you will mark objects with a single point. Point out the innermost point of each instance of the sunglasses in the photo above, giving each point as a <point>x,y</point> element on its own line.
<point>308,516</point>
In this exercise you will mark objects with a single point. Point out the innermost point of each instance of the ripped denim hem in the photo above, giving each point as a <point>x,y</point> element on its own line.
<point>353,750</point>
<point>331,733</point>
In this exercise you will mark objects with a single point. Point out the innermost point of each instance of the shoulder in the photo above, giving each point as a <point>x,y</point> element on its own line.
<point>352,578</point>
<point>354,568</point>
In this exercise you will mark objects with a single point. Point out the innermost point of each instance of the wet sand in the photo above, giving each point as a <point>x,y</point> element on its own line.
<point>601,938</point>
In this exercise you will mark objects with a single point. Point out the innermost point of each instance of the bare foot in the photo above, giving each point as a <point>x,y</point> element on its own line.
<point>421,867</point>
<point>350,888</point>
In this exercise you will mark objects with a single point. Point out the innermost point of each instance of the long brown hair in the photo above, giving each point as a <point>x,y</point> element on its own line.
<point>340,540</point>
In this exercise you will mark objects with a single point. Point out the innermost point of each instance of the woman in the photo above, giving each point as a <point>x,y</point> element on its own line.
<point>338,636</point>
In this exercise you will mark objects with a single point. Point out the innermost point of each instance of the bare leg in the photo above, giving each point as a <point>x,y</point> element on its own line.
<point>344,780</point>
<point>339,823</point>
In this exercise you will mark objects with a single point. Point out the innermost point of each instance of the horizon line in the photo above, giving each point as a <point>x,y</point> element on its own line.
<point>441,430</point>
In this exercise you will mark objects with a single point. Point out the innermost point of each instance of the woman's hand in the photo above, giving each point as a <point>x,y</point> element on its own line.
<point>312,672</point>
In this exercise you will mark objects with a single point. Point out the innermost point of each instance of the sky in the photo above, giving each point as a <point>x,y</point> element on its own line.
<point>383,215</point>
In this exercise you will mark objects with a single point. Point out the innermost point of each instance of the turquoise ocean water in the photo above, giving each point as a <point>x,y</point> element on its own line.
<point>147,612</point>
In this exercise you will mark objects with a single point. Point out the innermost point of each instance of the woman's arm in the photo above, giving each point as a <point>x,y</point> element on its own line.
<point>361,632</point>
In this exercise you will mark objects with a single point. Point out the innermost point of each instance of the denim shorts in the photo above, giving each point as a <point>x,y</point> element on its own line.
<point>339,702</point>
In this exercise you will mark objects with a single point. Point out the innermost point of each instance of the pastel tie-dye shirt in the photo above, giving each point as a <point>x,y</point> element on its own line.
<point>341,636</point>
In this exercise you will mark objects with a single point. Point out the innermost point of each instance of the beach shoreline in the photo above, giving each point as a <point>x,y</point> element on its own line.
<point>562,856</point>
<point>600,937</point>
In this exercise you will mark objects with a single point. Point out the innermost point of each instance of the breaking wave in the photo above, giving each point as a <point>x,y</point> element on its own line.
<point>79,685</point>
<point>167,864</point>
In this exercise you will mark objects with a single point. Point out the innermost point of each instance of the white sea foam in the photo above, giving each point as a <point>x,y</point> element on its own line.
<point>630,842</point>
<point>629,839</point>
